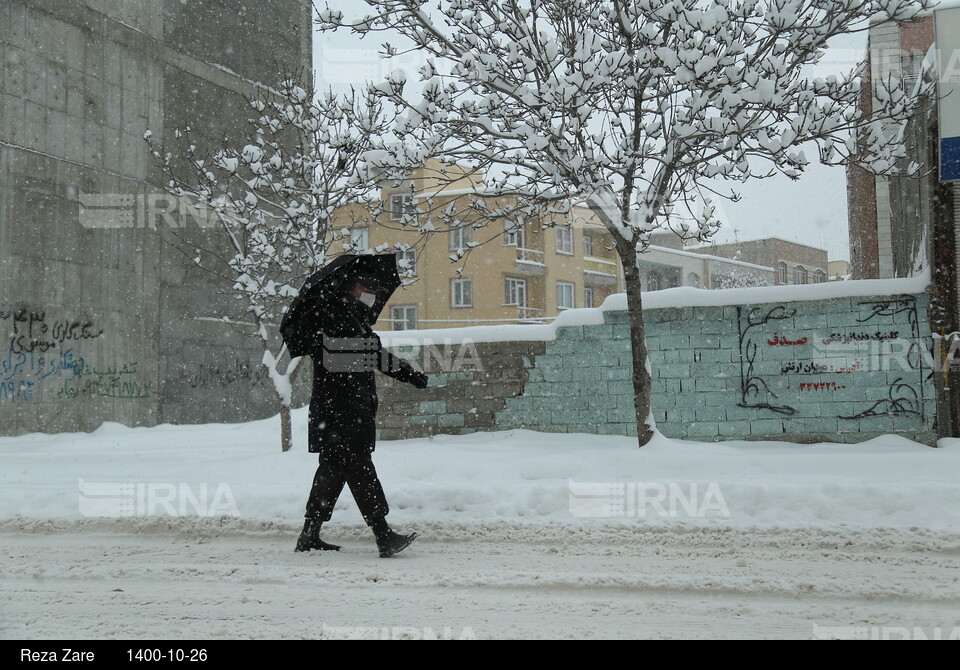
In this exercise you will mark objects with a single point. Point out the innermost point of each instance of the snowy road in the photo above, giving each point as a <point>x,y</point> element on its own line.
<point>102,579</point>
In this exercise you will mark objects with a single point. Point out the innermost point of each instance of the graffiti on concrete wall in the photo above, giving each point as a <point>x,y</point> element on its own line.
<point>785,357</point>
<point>904,394</point>
<point>32,331</point>
<point>755,392</point>
<point>36,356</point>
<point>41,354</point>
<point>206,375</point>
<point>112,382</point>
<point>22,373</point>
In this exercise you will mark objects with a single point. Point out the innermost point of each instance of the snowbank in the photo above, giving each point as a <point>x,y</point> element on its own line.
<point>499,477</point>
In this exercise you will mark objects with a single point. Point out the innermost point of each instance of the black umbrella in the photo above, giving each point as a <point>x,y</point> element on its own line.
<point>324,289</point>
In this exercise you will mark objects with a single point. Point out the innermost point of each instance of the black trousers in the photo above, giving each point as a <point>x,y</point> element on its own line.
<point>356,471</point>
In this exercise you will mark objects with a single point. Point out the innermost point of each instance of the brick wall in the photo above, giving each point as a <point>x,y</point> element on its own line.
<point>464,401</point>
<point>840,370</point>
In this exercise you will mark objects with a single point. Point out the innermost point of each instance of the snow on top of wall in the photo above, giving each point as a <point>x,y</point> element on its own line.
<point>673,297</point>
<point>693,297</point>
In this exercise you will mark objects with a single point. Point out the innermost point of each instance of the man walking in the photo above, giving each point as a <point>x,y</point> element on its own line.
<point>343,410</point>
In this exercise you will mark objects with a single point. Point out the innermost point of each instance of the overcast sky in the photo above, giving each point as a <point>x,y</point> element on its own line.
<point>812,210</point>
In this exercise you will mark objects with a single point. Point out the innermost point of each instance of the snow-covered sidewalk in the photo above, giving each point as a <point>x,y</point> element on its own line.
<point>522,535</point>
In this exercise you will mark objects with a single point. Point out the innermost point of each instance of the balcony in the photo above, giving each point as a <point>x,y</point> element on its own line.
<point>600,272</point>
<point>530,262</point>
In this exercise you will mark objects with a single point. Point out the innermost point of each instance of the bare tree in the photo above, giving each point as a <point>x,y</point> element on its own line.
<point>639,108</point>
<point>270,199</point>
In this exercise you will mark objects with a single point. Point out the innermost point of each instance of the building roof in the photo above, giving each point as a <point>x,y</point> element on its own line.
<point>722,259</point>
<point>763,239</point>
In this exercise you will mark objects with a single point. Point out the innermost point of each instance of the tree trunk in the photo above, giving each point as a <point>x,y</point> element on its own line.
<point>638,343</point>
<point>286,427</point>
<point>283,389</point>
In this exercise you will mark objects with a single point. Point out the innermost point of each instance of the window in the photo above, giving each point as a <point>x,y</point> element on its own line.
<point>564,240</point>
<point>781,273</point>
<point>400,206</point>
<point>462,290</point>
<point>516,293</point>
<point>800,275</point>
<point>460,237</point>
<point>404,318</point>
<point>407,260</point>
<point>587,245</point>
<point>588,297</point>
<point>911,66</point>
<point>819,276</point>
<point>360,239</point>
<point>654,281</point>
<point>513,235</point>
<point>564,295</point>
<point>693,280</point>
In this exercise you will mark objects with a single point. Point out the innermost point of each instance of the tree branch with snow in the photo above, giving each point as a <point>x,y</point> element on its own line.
<point>637,108</point>
<point>272,198</point>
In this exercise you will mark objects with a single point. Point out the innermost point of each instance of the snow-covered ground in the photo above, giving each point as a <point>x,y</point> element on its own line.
<point>522,535</point>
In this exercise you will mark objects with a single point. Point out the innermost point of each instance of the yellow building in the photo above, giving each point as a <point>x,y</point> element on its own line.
<point>507,273</point>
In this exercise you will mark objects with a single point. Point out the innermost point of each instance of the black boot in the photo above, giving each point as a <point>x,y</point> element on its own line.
<point>389,542</point>
<point>310,538</point>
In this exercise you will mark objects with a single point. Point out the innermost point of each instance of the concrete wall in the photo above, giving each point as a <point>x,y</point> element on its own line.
<point>840,370</point>
<point>101,323</point>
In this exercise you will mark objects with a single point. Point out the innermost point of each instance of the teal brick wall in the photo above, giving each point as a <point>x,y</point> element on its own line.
<point>842,370</point>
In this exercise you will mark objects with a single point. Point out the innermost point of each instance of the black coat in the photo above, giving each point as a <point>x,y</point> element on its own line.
<point>343,407</point>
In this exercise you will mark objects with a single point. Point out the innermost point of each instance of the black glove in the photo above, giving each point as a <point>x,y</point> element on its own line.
<point>419,379</point>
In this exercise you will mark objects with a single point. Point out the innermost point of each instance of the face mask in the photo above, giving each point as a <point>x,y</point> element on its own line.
<point>368,299</point>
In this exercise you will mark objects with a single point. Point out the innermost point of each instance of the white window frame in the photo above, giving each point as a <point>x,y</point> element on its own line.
<point>510,286</point>
<point>362,234</point>
<point>461,237</point>
<point>782,272</point>
<point>570,289</point>
<point>911,65</point>
<point>513,235</point>
<point>819,276</point>
<point>461,292</point>
<point>400,317</point>
<point>565,240</point>
<point>800,275</point>
<point>588,245</point>
<point>400,205</point>
<point>588,297</point>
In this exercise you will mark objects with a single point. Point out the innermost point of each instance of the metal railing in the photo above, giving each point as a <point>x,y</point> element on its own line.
<point>529,255</point>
